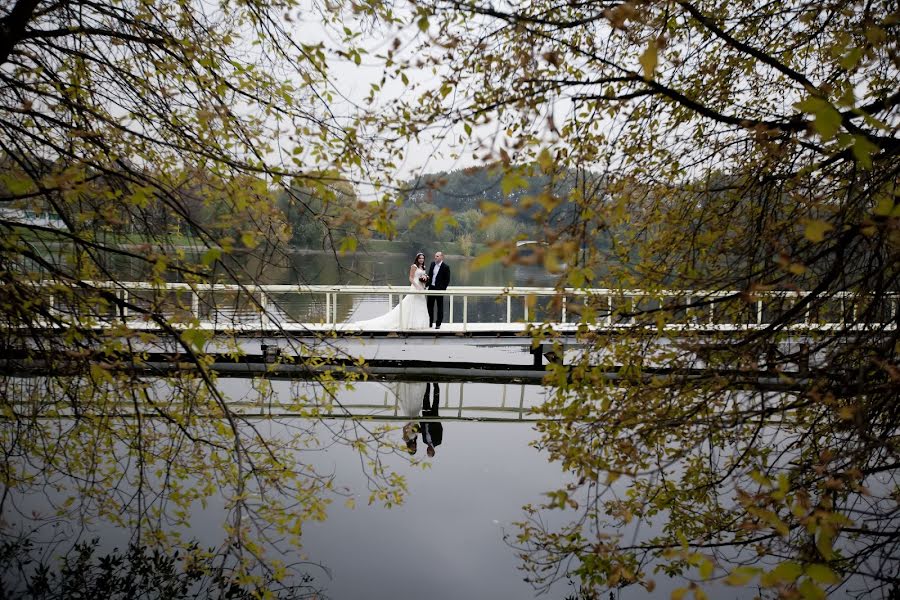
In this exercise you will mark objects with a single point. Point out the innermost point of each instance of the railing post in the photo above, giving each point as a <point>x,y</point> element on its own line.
<point>508,309</point>
<point>806,312</point>
<point>124,297</point>
<point>327,308</point>
<point>51,306</point>
<point>609,312</point>
<point>843,307</point>
<point>400,309</point>
<point>563,309</point>
<point>195,304</point>
<point>759,311</point>
<point>525,306</point>
<point>451,308</point>
<point>264,311</point>
<point>465,312</point>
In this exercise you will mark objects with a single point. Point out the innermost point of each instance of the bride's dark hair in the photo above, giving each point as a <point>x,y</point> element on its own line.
<point>416,261</point>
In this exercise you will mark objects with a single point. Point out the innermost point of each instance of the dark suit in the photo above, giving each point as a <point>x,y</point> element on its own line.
<point>432,429</point>
<point>436,303</point>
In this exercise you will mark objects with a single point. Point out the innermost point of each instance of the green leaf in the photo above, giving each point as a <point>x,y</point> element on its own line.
<point>423,23</point>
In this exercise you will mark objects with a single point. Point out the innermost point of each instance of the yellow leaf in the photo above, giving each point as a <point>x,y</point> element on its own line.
<point>248,238</point>
<point>545,160</point>
<point>810,591</point>
<point>824,542</point>
<point>679,593</point>
<point>816,230</point>
<point>797,268</point>
<point>706,569</point>
<point>826,121</point>
<point>511,182</point>
<point>741,576</point>
<point>649,59</point>
<point>884,207</point>
<point>787,572</point>
<point>822,574</point>
<point>348,244</point>
<point>863,150</point>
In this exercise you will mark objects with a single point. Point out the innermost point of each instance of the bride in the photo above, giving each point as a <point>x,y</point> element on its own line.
<point>412,311</point>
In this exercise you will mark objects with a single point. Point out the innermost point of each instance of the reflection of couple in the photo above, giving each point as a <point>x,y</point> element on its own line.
<point>417,311</point>
<point>408,395</point>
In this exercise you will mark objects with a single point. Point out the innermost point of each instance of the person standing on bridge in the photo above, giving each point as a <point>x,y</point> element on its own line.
<point>438,279</point>
<point>411,312</point>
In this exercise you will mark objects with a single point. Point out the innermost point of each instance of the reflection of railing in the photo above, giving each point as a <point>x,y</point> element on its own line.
<point>460,401</point>
<point>262,307</point>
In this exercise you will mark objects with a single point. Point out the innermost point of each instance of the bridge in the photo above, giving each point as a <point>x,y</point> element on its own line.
<point>484,338</point>
<point>485,335</point>
<point>484,310</point>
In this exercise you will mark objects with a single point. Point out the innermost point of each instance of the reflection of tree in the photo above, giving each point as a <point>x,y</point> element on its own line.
<point>134,573</point>
<point>148,456</point>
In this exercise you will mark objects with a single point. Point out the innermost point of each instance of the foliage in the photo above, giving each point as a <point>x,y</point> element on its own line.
<point>735,149</point>
<point>130,124</point>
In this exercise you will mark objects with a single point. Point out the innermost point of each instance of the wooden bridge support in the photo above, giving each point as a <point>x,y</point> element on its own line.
<point>547,351</point>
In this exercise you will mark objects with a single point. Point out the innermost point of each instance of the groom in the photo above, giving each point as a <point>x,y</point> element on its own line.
<point>438,279</point>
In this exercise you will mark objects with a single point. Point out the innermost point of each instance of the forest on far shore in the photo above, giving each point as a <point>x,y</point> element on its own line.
<point>462,211</point>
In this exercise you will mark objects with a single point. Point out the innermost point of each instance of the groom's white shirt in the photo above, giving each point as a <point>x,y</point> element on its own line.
<point>437,267</point>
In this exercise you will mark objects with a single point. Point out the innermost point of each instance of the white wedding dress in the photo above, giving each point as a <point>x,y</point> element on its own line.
<point>410,313</point>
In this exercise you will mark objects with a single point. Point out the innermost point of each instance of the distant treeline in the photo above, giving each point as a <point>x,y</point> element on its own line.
<point>448,208</point>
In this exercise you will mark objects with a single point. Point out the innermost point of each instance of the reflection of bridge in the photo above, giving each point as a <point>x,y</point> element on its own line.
<point>474,311</point>
<point>385,401</point>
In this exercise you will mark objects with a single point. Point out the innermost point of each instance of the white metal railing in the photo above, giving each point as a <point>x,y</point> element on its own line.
<point>617,308</point>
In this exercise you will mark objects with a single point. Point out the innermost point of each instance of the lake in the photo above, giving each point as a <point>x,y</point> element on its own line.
<point>453,535</point>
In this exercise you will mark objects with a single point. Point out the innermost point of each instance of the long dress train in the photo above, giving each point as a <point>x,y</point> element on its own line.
<point>410,313</point>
